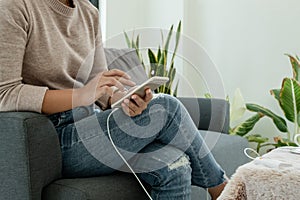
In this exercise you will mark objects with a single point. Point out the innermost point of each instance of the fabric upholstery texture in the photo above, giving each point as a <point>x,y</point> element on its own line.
<point>116,186</point>
<point>29,155</point>
<point>208,114</point>
<point>126,60</point>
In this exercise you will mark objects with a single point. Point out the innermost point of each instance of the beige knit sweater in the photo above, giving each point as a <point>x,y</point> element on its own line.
<point>46,45</point>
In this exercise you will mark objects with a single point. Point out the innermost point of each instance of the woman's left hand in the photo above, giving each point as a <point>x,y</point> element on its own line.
<point>136,105</point>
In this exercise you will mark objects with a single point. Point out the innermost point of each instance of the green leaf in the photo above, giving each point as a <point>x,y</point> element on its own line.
<point>137,43</point>
<point>238,106</point>
<point>296,67</point>
<point>290,99</point>
<point>279,122</point>
<point>275,93</point>
<point>257,138</point>
<point>161,68</point>
<point>173,71</point>
<point>299,120</point>
<point>227,98</point>
<point>208,95</point>
<point>244,128</point>
<point>164,56</point>
<point>176,90</point>
<point>162,36</point>
<point>284,142</point>
<point>178,35</point>
<point>159,53</point>
<point>140,57</point>
<point>128,41</point>
<point>178,32</point>
<point>153,62</point>
<point>133,45</point>
<point>166,47</point>
<point>152,57</point>
<point>143,64</point>
<point>171,75</point>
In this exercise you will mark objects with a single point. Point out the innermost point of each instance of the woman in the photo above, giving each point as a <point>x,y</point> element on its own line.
<point>47,66</point>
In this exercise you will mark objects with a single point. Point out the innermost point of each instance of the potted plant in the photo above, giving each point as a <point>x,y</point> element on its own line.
<point>288,98</point>
<point>159,65</point>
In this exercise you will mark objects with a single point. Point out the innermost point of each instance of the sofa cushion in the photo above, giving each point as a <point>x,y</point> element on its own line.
<point>227,149</point>
<point>119,186</point>
<point>116,186</point>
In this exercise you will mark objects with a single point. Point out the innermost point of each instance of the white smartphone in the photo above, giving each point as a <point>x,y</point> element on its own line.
<point>152,83</point>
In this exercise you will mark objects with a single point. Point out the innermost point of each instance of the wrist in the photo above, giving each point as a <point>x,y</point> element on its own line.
<point>78,98</point>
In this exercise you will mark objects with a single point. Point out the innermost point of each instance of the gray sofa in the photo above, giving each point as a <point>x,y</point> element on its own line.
<point>30,158</point>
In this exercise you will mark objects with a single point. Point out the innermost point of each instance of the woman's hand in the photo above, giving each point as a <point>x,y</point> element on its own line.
<point>101,86</point>
<point>136,105</point>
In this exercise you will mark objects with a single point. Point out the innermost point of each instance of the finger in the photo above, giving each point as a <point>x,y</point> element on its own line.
<point>116,72</point>
<point>148,96</point>
<point>139,102</point>
<point>134,108</point>
<point>111,81</point>
<point>120,76</point>
<point>127,110</point>
<point>117,95</point>
<point>126,81</point>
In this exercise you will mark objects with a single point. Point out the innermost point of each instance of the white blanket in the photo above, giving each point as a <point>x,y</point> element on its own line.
<point>274,176</point>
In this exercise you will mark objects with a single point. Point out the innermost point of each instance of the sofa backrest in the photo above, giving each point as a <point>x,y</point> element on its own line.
<point>126,60</point>
<point>95,3</point>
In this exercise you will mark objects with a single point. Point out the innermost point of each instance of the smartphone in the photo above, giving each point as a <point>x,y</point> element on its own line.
<point>152,83</point>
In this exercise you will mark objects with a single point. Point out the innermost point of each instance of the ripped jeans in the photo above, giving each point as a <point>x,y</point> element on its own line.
<point>162,145</point>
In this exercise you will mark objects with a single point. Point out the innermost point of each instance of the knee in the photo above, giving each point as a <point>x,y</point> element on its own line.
<point>168,99</point>
<point>168,102</point>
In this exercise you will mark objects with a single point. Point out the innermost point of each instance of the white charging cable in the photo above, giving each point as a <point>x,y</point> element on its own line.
<point>247,154</point>
<point>121,156</point>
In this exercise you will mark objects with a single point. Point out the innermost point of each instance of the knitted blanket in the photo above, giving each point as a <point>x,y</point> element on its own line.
<point>274,176</point>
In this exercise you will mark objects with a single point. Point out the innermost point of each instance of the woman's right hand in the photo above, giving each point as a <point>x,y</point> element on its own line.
<point>101,85</point>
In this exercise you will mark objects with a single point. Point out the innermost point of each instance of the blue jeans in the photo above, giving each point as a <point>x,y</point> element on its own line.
<point>162,145</point>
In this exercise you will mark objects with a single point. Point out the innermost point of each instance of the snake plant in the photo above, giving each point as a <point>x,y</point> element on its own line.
<point>159,65</point>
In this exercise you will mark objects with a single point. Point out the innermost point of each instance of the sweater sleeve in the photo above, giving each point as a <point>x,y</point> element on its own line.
<point>99,64</point>
<point>14,28</point>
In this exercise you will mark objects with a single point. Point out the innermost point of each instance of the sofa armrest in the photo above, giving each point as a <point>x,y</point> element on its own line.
<point>228,150</point>
<point>208,114</point>
<point>30,156</point>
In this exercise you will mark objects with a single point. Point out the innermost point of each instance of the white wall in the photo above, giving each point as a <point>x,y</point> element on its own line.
<point>246,39</point>
<point>159,13</point>
<point>135,15</point>
<point>122,15</point>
